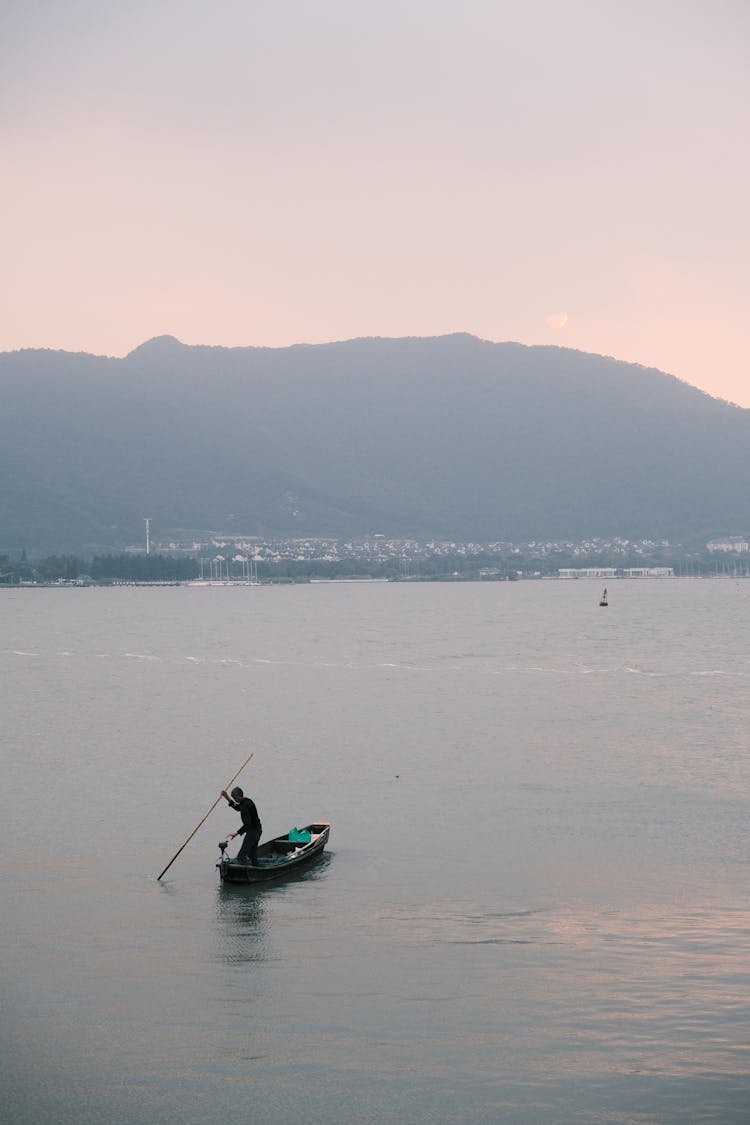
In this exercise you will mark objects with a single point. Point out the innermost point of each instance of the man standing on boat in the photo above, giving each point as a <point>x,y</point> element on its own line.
<point>251,827</point>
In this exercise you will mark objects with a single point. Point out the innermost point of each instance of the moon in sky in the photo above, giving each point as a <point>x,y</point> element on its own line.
<point>557,320</point>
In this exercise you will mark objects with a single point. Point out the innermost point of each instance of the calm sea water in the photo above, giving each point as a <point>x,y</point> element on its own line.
<point>535,903</point>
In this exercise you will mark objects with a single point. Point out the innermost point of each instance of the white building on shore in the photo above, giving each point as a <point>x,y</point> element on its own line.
<point>732,543</point>
<point>617,572</point>
<point>589,572</point>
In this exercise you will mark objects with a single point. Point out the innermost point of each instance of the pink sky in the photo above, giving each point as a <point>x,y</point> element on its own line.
<point>573,172</point>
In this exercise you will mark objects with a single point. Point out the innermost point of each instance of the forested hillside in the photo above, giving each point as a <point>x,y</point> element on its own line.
<point>450,436</point>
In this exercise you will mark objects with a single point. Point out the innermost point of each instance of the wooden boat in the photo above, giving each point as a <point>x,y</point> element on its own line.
<point>278,856</point>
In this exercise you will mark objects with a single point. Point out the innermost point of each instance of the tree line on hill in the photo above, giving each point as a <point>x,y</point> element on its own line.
<point>102,568</point>
<point>168,568</point>
<point>477,565</point>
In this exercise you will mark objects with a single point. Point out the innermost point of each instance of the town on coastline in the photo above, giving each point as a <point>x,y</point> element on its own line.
<point>249,560</point>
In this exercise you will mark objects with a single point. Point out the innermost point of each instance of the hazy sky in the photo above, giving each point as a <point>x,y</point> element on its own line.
<point>574,172</point>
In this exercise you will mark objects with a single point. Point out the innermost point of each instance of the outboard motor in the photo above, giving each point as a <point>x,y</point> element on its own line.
<point>223,860</point>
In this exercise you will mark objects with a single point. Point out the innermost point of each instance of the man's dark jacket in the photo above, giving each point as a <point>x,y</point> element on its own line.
<point>247,810</point>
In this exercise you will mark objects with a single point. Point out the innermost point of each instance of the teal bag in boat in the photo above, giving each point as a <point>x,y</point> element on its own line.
<point>299,836</point>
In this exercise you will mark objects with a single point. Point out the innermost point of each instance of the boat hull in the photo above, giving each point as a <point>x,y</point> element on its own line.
<point>277,857</point>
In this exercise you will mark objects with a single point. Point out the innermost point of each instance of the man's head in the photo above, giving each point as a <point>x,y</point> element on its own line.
<point>237,793</point>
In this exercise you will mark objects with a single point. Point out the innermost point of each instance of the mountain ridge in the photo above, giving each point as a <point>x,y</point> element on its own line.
<point>451,435</point>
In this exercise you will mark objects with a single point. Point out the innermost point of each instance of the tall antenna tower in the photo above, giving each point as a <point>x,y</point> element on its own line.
<point>148,536</point>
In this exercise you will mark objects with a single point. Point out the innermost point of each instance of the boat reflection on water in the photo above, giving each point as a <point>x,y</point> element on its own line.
<point>245,911</point>
<point>243,933</point>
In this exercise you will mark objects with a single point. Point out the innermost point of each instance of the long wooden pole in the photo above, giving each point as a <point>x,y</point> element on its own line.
<point>205,818</point>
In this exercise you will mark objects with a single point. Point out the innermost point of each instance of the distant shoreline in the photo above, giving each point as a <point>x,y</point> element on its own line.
<point>361,581</point>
